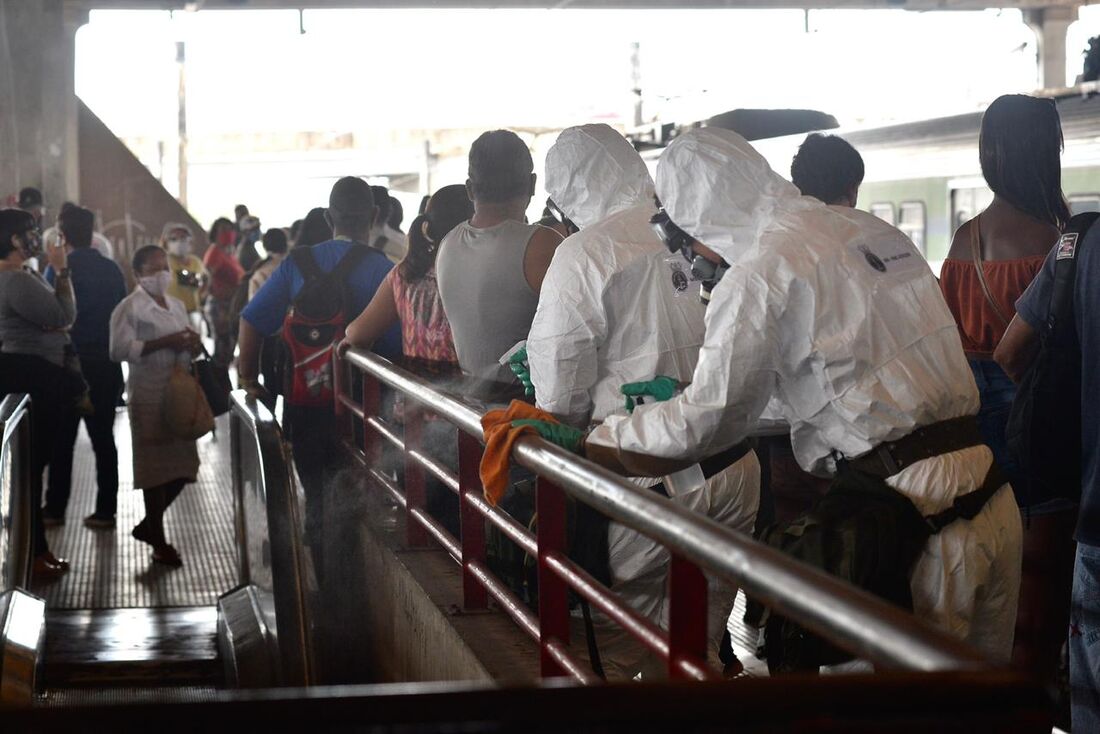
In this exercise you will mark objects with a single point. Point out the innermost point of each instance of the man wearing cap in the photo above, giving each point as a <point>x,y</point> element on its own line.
<point>312,430</point>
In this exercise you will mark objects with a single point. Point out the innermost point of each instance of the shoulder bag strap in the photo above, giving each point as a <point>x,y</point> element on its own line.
<point>1061,319</point>
<point>976,254</point>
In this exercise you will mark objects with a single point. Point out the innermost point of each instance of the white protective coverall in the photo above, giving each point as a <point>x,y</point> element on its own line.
<point>610,314</point>
<point>833,316</point>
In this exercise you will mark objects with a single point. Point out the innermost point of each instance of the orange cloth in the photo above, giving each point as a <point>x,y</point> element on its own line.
<point>979,326</point>
<point>500,436</point>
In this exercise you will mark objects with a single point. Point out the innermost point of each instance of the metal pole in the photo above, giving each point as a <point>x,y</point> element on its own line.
<point>415,489</point>
<point>687,615</point>
<point>471,521</point>
<point>181,56</point>
<point>553,593</point>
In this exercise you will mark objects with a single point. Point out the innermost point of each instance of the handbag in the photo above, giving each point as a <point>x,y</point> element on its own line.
<point>186,413</point>
<point>214,380</point>
<point>976,254</point>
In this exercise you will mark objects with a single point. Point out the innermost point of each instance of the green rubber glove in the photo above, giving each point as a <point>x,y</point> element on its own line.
<point>659,388</point>
<point>518,365</point>
<point>568,437</point>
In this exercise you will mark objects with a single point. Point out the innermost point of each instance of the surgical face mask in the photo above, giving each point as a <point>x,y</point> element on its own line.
<point>179,246</point>
<point>157,283</point>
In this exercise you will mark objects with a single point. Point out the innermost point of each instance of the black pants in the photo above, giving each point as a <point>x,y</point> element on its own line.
<point>315,446</point>
<point>104,379</point>
<point>42,380</point>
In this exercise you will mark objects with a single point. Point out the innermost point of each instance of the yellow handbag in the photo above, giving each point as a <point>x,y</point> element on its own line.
<point>187,415</point>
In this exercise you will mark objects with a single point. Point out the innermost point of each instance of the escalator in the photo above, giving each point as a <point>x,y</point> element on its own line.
<point>152,639</point>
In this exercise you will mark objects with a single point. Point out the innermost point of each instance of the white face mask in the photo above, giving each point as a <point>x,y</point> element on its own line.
<point>180,247</point>
<point>157,284</point>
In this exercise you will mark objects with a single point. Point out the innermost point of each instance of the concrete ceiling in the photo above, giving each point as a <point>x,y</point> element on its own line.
<point>601,4</point>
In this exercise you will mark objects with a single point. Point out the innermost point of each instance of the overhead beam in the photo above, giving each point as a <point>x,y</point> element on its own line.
<point>921,5</point>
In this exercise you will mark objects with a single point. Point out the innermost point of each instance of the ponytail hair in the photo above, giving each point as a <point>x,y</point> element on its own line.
<point>448,207</point>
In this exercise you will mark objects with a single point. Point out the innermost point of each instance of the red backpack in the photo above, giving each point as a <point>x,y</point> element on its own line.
<point>315,324</point>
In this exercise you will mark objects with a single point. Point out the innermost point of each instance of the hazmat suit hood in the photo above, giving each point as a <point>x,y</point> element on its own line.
<point>719,190</point>
<point>593,172</point>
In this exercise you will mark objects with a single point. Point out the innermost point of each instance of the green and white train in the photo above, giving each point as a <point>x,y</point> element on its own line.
<point>924,177</point>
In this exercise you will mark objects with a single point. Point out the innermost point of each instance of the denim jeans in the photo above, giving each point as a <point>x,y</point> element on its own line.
<point>1084,640</point>
<point>997,392</point>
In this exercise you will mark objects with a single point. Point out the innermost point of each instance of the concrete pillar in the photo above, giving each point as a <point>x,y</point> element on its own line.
<point>38,106</point>
<point>1050,25</point>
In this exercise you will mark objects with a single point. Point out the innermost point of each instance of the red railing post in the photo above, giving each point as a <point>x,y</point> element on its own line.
<point>415,489</point>
<point>471,521</point>
<point>340,388</point>
<point>553,592</point>
<point>372,404</point>
<point>687,614</point>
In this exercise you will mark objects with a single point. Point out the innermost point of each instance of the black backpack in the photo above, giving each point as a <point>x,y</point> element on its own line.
<point>868,534</point>
<point>1044,425</point>
<point>314,325</point>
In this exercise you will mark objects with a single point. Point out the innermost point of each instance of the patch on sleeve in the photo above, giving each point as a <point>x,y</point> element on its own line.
<point>888,257</point>
<point>1067,246</point>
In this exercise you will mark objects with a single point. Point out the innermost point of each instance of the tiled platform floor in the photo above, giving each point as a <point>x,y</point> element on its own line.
<point>111,570</point>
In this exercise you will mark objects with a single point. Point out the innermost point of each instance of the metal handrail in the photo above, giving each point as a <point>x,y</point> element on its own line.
<point>848,617</point>
<point>15,440</point>
<point>254,427</point>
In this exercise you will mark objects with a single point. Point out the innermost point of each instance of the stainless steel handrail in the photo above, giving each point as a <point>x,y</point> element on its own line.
<point>846,616</point>
<point>22,615</point>
<point>252,424</point>
<point>15,513</point>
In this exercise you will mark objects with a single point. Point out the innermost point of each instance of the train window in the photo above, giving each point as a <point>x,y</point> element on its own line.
<point>1081,203</point>
<point>884,210</point>
<point>967,203</point>
<point>911,220</point>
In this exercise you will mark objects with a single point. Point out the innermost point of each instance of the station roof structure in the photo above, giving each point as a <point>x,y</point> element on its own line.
<point>919,5</point>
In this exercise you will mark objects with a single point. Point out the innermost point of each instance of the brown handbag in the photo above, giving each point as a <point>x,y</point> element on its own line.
<point>976,254</point>
<point>186,413</point>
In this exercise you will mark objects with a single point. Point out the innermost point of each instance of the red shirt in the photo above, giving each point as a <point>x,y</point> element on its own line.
<point>979,326</point>
<point>225,272</point>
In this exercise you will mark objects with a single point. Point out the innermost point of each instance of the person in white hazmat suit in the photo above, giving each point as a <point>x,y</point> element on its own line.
<point>616,309</point>
<point>832,316</point>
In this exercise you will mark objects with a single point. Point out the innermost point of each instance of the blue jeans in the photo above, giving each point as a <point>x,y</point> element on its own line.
<point>1084,640</point>
<point>997,392</point>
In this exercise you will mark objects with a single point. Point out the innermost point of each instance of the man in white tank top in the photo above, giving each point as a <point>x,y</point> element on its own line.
<point>490,269</point>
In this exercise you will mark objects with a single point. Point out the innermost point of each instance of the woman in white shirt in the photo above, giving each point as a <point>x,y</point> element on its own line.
<point>150,330</point>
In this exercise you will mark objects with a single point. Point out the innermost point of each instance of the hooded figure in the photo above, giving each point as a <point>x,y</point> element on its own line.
<point>612,311</point>
<point>832,316</point>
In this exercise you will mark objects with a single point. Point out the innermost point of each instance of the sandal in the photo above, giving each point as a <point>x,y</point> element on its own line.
<point>167,555</point>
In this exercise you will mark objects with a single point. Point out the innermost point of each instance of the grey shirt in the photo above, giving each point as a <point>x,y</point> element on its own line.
<point>33,317</point>
<point>485,293</point>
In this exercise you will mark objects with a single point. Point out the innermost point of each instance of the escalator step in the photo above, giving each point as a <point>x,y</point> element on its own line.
<point>131,647</point>
<point>115,696</point>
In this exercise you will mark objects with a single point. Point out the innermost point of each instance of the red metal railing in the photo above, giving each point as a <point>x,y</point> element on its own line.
<point>846,616</point>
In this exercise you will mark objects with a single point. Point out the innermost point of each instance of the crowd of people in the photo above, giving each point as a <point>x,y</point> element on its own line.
<point>70,322</point>
<point>692,332</point>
